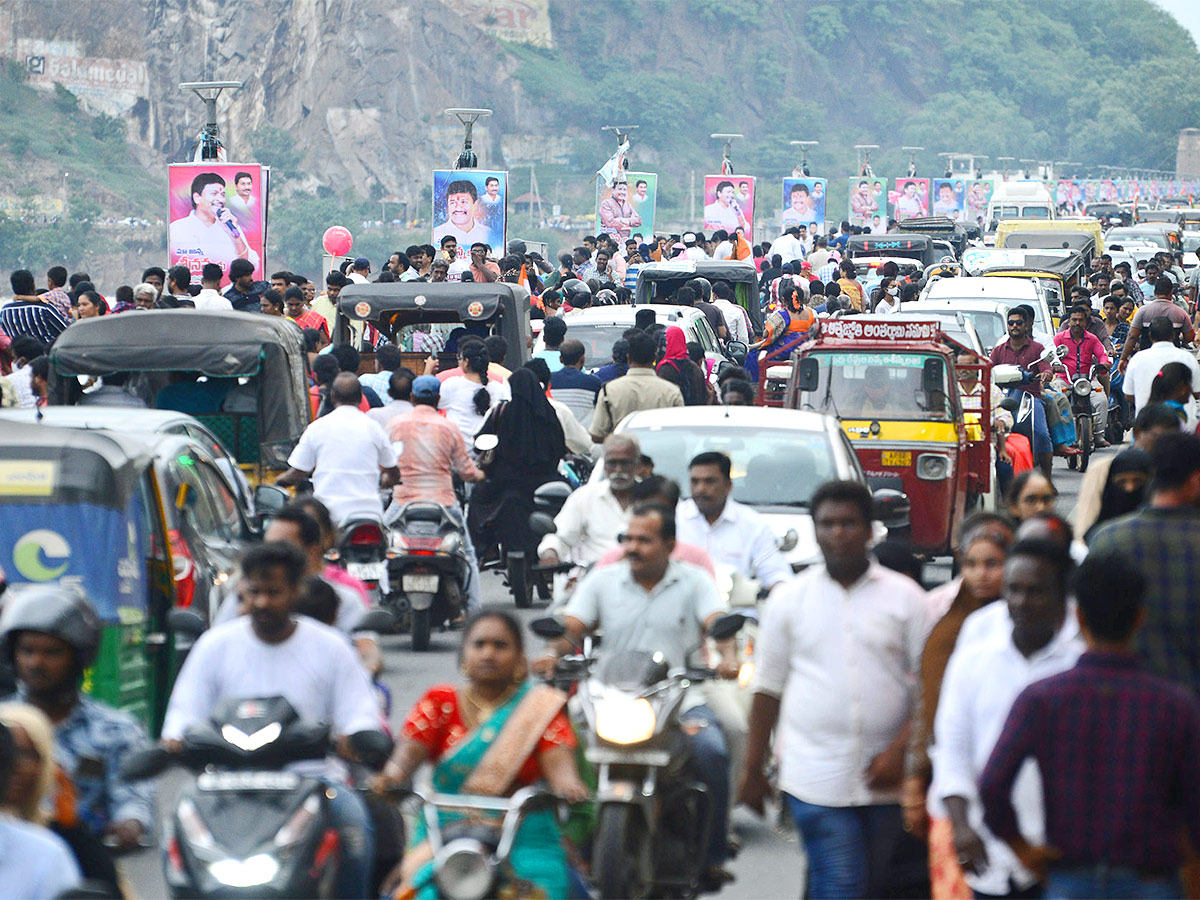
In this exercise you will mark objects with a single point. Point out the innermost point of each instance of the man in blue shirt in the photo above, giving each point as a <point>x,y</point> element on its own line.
<point>574,387</point>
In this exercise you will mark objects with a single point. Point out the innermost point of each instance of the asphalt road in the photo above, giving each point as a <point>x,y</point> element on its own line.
<point>770,864</point>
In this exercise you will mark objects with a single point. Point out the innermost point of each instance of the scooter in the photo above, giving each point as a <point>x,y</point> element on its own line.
<point>427,568</point>
<point>362,552</point>
<point>245,826</point>
<point>653,818</point>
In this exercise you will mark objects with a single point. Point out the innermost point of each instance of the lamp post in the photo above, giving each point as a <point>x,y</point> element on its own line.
<point>802,169</point>
<point>466,157</point>
<point>727,157</point>
<point>209,91</point>
<point>864,159</point>
<point>912,160</point>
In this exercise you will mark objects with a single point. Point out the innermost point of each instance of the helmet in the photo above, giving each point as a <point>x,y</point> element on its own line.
<point>573,289</point>
<point>53,609</point>
<point>606,297</point>
<point>704,286</point>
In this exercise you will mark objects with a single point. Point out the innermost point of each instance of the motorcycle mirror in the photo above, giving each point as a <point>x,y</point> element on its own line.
<point>145,764</point>
<point>931,376</point>
<point>548,627</point>
<point>808,374</point>
<point>1005,373</point>
<point>726,626</point>
<point>269,499</point>
<point>1061,351</point>
<point>376,619</point>
<point>892,508</point>
<point>541,524</point>
<point>371,747</point>
<point>186,621</point>
<point>486,442</point>
<point>788,542</point>
<point>1011,404</point>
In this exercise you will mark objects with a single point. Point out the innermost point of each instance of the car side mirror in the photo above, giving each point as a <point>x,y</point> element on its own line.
<point>737,351</point>
<point>269,499</point>
<point>931,377</point>
<point>548,628</point>
<point>808,374</point>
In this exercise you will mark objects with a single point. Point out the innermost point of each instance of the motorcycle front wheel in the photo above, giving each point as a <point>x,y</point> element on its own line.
<point>519,581</point>
<point>1083,425</point>
<point>620,854</point>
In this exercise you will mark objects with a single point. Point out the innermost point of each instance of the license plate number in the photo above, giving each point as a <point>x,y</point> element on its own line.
<point>896,458</point>
<point>420,584</point>
<point>368,571</point>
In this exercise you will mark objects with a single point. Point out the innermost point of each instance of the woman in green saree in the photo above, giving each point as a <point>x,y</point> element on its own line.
<point>493,735</point>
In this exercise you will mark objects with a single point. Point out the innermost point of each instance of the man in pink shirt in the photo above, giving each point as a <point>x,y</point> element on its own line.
<point>1083,351</point>
<point>432,450</point>
<point>658,489</point>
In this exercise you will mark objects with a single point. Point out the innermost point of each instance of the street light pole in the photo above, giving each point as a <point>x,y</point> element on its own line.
<point>802,169</point>
<point>727,157</point>
<point>209,91</point>
<point>912,160</point>
<point>466,157</point>
<point>864,159</point>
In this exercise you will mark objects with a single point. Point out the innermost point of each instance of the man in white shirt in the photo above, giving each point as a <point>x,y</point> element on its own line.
<point>691,249</point>
<point>210,232</point>
<point>737,321</point>
<point>210,296</point>
<point>722,248</point>
<point>348,456</point>
<point>272,652</point>
<point>1031,636</point>
<point>836,662</point>
<point>360,271</point>
<point>588,524</point>
<point>788,245</point>
<point>731,533</point>
<point>1146,364</point>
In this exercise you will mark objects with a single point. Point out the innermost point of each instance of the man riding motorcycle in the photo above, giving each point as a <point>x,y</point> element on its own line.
<point>1083,351</point>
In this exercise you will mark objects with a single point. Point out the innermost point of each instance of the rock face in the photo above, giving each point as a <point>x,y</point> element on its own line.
<point>359,85</point>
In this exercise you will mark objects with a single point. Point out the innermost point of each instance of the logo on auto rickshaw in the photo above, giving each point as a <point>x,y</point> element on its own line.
<point>475,310</point>
<point>37,553</point>
<point>362,309</point>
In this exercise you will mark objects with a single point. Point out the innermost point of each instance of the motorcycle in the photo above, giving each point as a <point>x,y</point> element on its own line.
<point>1114,431</point>
<point>653,818</point>
<point>362,552</point>
<point>1081,391</point>
<point>471,851</point>
<point>244,826</point>
<point>427,568</point>
<point>1008,377</point>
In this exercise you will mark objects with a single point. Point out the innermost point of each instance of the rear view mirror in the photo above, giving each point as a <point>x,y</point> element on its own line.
<point>269,499</point>
<point>548,628</point>
<point>892,508</point>
<point>737,351</point>
<point>808,374</point>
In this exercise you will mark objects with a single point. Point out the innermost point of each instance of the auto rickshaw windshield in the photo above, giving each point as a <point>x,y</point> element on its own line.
<point>856,385</point>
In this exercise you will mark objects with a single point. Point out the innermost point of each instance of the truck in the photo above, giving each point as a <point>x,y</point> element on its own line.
<point>1019,200</point>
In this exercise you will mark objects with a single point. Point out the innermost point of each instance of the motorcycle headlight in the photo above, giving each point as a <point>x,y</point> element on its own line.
<point>625,720</point>
<point>1082,387</point>
<point>932,467</point>
<point>242,873</point>
<point>299,822</point>
<point>462,870</point>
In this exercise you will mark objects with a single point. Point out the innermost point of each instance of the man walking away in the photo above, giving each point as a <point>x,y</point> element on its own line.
<point>639,388</point>
<point>574,387</point>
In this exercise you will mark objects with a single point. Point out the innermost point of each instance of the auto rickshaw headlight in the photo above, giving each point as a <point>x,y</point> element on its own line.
<point>933,466</point>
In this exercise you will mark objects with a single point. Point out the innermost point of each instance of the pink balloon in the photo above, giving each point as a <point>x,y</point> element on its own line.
<point>337,241</point>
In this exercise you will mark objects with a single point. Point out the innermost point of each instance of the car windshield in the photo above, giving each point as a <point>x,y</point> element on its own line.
<point>1117,236</point>
<point>877,385</point>
<point>597,341</point>
<point>1035,212</point>
<point>988,325</point>
<point>1191,241</point>
<point>771,466</point>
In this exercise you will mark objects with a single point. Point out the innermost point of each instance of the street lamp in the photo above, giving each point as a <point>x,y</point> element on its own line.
<point>727,158</point>
<point>912,160</point>
<point>466,157</point>
<point>209,91</point>
<point>802,169</point>
<point>864,159</point>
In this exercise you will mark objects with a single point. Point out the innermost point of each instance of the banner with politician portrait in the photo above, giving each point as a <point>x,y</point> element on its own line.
<point>868,203</point>
<point>803,203</point>
<point>729,204</point>
<point>909,199</point>
<point>469,206</point>
<point>950,198</point>
<point>217,213</point>
<point>626,210</point>
<point>978,195</point>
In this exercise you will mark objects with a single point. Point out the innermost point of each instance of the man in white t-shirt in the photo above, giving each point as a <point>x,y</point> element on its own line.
<point>210,232</point>
<point>788,245</point>
<point>691,248</point>
<point>271,652</point>
<point>210,297</point>
<point>1146,364</point>
<point>348,456</point>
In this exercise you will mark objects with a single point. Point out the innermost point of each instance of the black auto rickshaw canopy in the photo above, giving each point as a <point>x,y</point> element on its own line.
<point>914,246</point>
<point>658,282</point>
<point>267,350</point>
<point>940,227</point>
<point>496,307</point>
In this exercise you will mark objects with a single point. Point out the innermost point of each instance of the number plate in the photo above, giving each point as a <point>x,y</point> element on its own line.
<point>896,457</point>
<point>419,584</point>
<point>370,571</point>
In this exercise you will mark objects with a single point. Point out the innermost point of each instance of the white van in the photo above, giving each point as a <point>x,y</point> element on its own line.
<point>1019,200</point>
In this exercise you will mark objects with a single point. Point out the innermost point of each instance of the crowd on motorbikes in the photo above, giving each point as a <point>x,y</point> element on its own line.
<point>895,726</point>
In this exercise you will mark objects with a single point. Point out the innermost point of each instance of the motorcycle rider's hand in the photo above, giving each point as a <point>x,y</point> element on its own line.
<point>549,558</point>
<point>755,789</point>
<point>171,746</point>
<point>126,835</point>
<point>1046,377</point>
<point>545,665</point>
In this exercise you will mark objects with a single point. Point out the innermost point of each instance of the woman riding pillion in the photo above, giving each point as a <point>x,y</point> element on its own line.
<point>492,735</point>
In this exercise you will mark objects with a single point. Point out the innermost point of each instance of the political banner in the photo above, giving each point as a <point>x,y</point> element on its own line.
<point>217,213</point>
<point>1069,197</point>
<point>868,203</point>
<point>803,204</point>
<point>469,206</point>
<point>729,204</point>
<point>626,210</point>
<point>978,195</point>
<point>949,198</point>
<point>910,198</point>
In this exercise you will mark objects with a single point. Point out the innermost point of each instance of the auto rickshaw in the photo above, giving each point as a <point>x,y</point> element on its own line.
<point>1053,234</point>
<point>939,227</point>
<point>83,508</point>
<point>256,365</point>
<point>914,246</point>
<point>658,282</point>
<point>896,387</point>
<point>393,308</point>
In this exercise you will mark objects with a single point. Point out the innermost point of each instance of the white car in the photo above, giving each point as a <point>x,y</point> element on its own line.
<point>780,457</point>
<point>986,302</point>
<point>599,327</point>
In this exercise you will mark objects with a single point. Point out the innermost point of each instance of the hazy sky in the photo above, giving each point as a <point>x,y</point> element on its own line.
<point>1187,13</point>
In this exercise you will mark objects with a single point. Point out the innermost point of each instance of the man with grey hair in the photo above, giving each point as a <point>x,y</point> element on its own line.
<point>144,295</point>
<point>587,526</point>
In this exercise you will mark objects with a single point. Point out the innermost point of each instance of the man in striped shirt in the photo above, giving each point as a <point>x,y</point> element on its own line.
<point>27,314</point>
